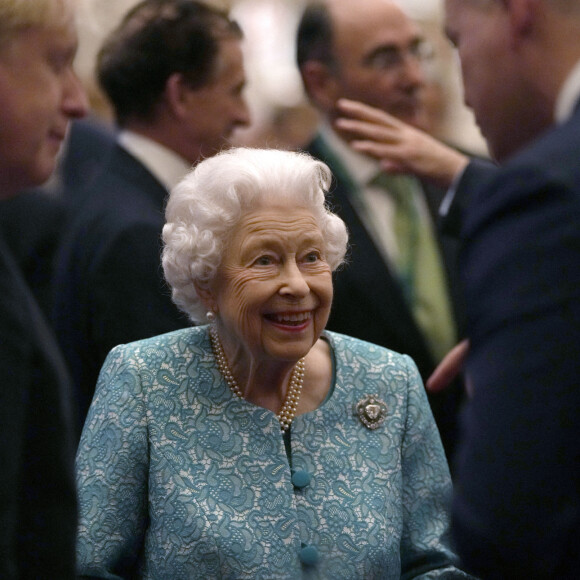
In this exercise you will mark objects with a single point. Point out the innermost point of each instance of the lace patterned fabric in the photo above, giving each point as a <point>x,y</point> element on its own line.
<point>178,479</point>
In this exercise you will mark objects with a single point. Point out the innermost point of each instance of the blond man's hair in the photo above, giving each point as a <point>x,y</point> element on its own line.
<point>19,15</point>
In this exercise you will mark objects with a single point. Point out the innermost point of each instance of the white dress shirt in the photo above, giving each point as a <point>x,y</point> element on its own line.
<point>569,95</point>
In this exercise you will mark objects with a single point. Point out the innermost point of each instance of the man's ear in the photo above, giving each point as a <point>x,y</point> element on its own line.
<point>177,94</point>
<point>320,84</point>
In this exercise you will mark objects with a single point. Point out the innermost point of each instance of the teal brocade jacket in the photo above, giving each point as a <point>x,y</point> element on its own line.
<point>179,479</point>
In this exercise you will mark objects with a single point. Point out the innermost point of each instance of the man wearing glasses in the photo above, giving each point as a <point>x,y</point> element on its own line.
<point>398,288</point>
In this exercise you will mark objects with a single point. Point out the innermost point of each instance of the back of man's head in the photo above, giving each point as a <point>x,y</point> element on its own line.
<point>156,39</point>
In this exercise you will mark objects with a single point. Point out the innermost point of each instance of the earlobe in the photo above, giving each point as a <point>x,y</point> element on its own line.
<point>176,93</point>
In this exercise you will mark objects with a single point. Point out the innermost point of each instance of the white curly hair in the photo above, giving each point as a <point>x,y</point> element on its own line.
<point>208,203</point>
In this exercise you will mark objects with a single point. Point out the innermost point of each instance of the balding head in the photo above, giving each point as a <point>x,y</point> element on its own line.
<point>371,54</point>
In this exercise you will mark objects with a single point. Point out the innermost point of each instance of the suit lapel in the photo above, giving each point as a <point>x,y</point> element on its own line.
<point>137,175</point>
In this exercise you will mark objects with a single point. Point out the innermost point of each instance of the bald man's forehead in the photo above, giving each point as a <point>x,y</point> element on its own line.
<point>376,23</point>
<point>376,14</point>
<point>346,9</point>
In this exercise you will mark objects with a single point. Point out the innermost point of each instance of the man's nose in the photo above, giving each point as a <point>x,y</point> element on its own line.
<point>75,100</point>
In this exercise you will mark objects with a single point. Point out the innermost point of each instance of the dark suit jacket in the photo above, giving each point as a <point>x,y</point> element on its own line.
<point>517,505</point>
<point>32,224</point>
<point>37,492</point>
<point>475,175</point>
<point>368,300</point>
<point>109,287</point>
<point>89,144</point>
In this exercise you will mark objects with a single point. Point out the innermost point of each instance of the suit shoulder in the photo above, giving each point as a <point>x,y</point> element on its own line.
<point>555,152</point>
<point>543,178</point>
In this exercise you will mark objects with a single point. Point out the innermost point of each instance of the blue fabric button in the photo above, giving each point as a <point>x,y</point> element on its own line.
<point>301,478</point>
<point>308,555</point>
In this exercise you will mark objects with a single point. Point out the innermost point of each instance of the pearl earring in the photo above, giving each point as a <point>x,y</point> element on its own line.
<point>210,315</point>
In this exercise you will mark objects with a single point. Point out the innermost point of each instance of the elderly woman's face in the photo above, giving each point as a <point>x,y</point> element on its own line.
<point>273,290</point>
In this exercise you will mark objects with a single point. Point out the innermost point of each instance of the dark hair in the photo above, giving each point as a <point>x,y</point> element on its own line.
<point>314,39</point>
<point>156,39</point>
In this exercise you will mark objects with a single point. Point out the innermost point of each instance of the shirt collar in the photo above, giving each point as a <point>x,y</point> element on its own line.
<point>362,169</point>
<point>167,166</point>
<point>569,96</point>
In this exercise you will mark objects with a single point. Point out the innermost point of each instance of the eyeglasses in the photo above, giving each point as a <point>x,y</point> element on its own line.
<point>391,58</point>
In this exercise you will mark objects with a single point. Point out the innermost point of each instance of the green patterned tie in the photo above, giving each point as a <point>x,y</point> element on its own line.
<point>419,265</point>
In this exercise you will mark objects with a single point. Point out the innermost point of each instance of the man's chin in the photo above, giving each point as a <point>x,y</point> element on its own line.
<point>17,184</point>
<point>42,174</point>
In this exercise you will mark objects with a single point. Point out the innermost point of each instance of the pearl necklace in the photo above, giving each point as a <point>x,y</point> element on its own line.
<point>288,410</point>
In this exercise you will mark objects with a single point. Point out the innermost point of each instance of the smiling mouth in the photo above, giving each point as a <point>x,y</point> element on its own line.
<point>290,318</point>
